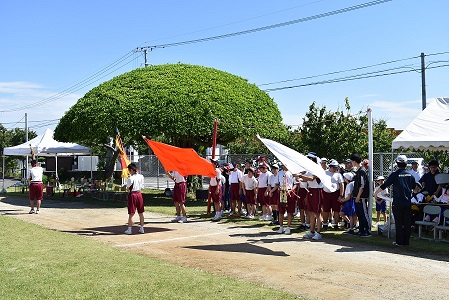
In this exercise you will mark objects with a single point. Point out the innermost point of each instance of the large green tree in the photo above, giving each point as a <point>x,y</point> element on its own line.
<point>339,134</point>
<point>174,103</point>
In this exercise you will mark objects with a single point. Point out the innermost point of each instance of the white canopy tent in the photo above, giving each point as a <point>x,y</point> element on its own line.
<point>46,145</point>
<point>429,130</point>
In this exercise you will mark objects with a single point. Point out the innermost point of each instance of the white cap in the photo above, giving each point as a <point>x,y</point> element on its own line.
<point>348,176</point>
<point>401,159</point>
<point>380,178</point>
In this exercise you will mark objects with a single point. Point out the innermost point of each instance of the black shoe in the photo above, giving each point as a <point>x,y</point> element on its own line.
<point>365,235</point>
<point>350,231</point>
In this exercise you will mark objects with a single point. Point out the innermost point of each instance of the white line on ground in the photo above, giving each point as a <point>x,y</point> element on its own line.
<point>181,238</point>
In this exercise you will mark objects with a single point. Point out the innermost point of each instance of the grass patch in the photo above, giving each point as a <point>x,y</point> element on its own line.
<point>45,264</point>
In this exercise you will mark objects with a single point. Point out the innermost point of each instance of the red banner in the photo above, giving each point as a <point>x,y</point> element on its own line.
<point>184,160</point>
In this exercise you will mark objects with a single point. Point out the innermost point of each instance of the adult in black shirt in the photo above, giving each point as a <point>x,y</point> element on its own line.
<point>428,179</point>
<point>403,184</point>
<point>361,195</point>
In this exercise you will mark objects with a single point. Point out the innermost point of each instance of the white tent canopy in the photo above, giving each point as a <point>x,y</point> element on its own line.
<point>429,130</point>
<point>46,145</point>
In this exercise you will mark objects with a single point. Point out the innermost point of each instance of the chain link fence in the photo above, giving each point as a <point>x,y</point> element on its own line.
<point>383,164</point>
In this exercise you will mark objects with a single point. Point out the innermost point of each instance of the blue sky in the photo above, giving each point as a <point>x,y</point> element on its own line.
<point>53,52</point>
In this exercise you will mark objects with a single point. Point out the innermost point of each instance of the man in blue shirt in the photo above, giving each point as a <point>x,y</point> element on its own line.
<point>403,184</point>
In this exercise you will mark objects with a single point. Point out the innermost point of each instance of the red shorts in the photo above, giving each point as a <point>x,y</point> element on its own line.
<point>274,199</point>
<point>235,191</point>
<point>36,191</point>
<point>213,191</point>
<point>330,201</point>
<point>314,200</point>
<point>290,207</point>
<point>179,192</point>
<point>302,193</point>
<point>263,200</point>
<point>135,202</point>
<point>250,197</point>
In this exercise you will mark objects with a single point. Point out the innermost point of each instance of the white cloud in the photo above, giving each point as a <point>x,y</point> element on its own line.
<point>14,95</point>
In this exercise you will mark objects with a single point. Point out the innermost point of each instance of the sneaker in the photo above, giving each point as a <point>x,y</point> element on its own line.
<point>217,217</point>
<point>317,236</point>
<point>325,225</point>
<point>309,234</point>
<point>250,217</point>
<point>183,220</point>
<point>427,218</point>
<point>37,212</point>
<point>176,219</point>
<point>268,218</point>
<point>128,231</point>
<point>141,230</point>
<point>281,229</point>
<point>287,231</point>
<point>350,231</point>
<point>32,211</point>
<point>262,217</point>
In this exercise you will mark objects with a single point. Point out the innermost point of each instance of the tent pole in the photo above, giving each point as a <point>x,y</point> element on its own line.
<point>56,168</point>
<point>91,173</point>
<point>370,169</point>
<point>3,171</point>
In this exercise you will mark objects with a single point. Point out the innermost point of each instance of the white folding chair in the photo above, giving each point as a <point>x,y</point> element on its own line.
<point>444,226</point>
<point>429,210</point>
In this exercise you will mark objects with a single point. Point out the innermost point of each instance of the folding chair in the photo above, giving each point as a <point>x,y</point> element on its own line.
<point>429,210</point>
<point>444,226</point>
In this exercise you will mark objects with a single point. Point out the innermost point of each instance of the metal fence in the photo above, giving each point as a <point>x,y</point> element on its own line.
<point>150,167</point>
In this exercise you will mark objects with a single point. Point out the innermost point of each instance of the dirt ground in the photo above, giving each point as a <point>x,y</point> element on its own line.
<point>325,269</point>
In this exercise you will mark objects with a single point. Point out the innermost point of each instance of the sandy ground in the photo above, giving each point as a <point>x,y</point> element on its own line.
<point>324,269</point>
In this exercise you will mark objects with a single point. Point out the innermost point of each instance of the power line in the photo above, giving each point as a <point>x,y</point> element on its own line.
<point>109,69</point>
<point>347,78</point>
<point>337,72</point>
<point>301,20</point>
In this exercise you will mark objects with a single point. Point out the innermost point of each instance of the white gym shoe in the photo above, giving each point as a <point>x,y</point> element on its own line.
<point>317,236</point>
<point>32,211</point>
<point>141,230</point>
<point>309,234</point>
<point>176,219</point>
<point>268,218</point>
<point>262,217</point>
<point>281,229</point>
<point>217,217</point>
<point>128,231</point>
<point>183,220</point>
<point>37,212</point>
<point>287,231</point>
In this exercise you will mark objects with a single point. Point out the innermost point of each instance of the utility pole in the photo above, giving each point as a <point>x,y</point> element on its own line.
<point>26,140</point>
<point>423,82</point>
<point>145,53</point>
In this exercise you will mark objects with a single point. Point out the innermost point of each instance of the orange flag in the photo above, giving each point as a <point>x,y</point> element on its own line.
<point>184,160</point>
<point>124,161</point>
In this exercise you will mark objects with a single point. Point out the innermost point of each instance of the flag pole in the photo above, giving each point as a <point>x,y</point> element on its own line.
<point>214,145</point>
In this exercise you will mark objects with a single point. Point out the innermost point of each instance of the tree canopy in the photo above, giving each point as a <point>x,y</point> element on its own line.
<point>339,134</point>
<point>176,103</point>
<point>172,103</point>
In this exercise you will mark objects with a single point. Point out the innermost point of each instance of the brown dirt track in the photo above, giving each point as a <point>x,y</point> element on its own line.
<point>326,269</point>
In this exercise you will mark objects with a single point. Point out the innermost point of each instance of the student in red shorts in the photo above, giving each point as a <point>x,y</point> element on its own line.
<point>179,196</point>
<point>135,200</point>
<point>288,185</point>
<point>36,186</point>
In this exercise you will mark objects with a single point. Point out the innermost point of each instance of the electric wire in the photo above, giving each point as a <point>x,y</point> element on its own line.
<point>111,68</point>
<point>301,20</point>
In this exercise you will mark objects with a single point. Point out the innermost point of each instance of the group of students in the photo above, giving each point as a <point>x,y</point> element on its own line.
<point>281,194</point>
